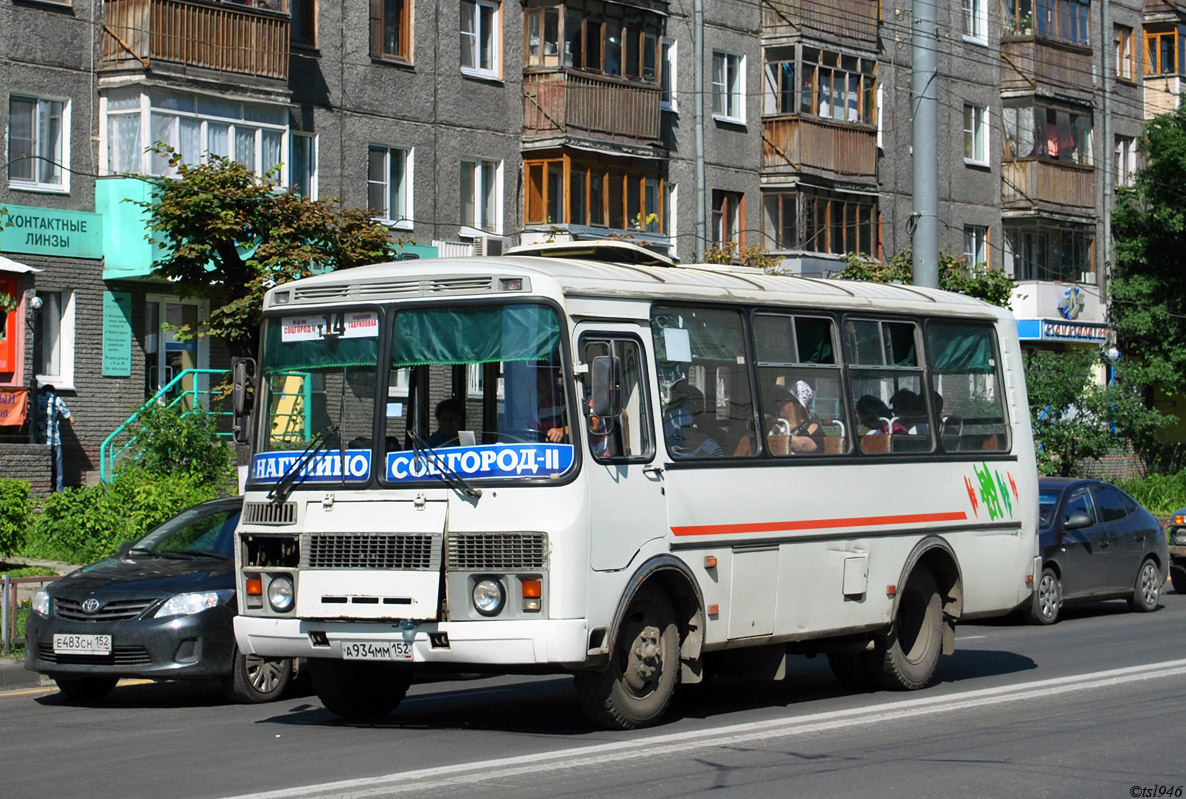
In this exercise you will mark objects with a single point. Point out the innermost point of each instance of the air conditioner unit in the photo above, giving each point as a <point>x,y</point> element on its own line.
<point>488,245</point>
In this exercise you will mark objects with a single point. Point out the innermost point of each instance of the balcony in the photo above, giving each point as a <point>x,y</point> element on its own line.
<point>1046,67</point>
<point>198,35</point>
<point>809,145</point>
<point>852,22</point>
<point>1161,94</point>
<point>579,105</point>
<point>1033,184</point>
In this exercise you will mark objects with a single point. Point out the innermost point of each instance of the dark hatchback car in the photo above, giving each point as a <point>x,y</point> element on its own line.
<point>162,609</point>
<point>1096,543</point>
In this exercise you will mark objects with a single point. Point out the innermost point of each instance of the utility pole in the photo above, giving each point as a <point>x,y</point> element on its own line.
<point>924,97</point>
<point>698,123</point>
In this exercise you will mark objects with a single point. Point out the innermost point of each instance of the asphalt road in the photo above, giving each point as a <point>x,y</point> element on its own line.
<point>1089,708</point>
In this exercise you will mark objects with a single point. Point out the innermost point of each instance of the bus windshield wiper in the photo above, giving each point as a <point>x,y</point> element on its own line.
<point>289,480</point>
<point>452,478</point>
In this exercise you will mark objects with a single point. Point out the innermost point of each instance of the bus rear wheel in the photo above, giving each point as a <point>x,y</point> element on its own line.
<point>907,657</point>
<point>359,690</point>
<point>636,688</point>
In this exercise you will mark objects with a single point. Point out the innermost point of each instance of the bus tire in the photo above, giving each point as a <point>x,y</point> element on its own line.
<point>359,690</point>
<point>907,657</point>
<point>851,670</point>
<point>636,688</point>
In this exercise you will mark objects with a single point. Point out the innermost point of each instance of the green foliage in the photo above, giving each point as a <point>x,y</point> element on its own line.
<point>1147,305</point>
<point>169,442</point>
<point>228,236</point>
<point>1160,494</point>
<point>15,510</point>
<point>980,281</point>
<point>84,524</point>
<point>29,571</point>
<point>728,252</point>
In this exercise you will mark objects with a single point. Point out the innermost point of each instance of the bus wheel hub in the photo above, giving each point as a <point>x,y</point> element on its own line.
<point>646,659</point>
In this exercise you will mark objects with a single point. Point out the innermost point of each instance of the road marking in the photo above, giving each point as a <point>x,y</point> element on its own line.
<point>683,742</point>
<point>970,637</point>
<point>53,689</point>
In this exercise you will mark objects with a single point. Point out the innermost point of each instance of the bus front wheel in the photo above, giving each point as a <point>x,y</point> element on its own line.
<point>906,658</point>
<point>359,690</point>
<point>636,688</point>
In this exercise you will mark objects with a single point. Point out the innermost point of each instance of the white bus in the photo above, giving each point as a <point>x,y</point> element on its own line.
<point>638,473</point>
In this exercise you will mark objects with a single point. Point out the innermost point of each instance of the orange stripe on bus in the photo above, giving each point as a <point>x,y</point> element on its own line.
<point>818,524</point>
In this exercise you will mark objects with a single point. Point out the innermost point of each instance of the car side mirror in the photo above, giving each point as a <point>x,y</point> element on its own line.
<point>242,399</point>
<point>1076,520</point>
<point>125,548</point>
<point>606,386</point>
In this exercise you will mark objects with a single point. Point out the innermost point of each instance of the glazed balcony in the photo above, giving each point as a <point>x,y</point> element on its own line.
<point>853,22</point>
<point>185,34</point>
<point>1033,184</point>
<point>803,144</point>
<point>1044,66</point>
<point>569,103</point>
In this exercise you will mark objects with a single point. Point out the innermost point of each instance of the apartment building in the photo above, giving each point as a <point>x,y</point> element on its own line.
<point>477,124</point>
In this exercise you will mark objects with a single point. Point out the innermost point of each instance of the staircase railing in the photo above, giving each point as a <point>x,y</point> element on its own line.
<point>193,397</point>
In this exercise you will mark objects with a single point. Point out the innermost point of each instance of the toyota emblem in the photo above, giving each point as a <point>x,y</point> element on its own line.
<point>90,606</point>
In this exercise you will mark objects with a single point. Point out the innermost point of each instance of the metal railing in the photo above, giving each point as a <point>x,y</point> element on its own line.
<point>188,391</point>
<point>15,596</point>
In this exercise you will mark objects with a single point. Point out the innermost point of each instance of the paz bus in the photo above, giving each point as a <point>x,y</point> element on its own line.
<point>589,460</point>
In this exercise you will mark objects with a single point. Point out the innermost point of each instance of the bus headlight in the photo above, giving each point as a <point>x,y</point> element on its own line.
<point>280,593</point>
<point>489,597</point>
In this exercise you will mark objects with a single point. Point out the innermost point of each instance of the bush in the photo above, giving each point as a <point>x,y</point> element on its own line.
<point>79,525</point>
<point>170,443</point>
<point>1160,494</point>
<point>15,510</point>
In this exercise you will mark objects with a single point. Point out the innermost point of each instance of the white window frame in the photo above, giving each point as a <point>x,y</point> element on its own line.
<point>1125,160</point>
<point>62,158</point>
<point>65,310</point>
<point>668,99</point>
<point>403,220</point>
<point>975,23</point>
<point>976,244</point>
<point>976,127</point>
<point>472,10</point>
<point>730,87</point>
<point>471,228</point>
<point>311,138</point>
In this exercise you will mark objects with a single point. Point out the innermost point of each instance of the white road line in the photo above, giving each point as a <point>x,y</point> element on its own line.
<point>970,637</point>
<point>684,742</point>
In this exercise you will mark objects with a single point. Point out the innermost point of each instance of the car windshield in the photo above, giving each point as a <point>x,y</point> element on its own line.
<point>1047,502</point>
<point>197,532</point>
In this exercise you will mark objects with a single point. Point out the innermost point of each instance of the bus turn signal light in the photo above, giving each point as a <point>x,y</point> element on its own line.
<point>533,590</point>
<point>255,586</point>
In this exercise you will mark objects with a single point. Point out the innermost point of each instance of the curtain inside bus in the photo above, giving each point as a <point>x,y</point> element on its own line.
<point>475,335</point>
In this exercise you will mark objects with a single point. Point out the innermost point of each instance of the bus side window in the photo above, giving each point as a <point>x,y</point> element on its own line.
<point>626,437</point>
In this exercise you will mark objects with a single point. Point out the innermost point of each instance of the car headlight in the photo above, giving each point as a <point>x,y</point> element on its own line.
<point>41,602</point>
<point>189,604</point>
<point>280,593</point>
<point>488,596</point>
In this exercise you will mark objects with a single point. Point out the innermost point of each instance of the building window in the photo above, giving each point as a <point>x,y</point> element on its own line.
<point>1047,252</point>
<point>623,199</point>
<point>38,143</point>
<point>481,195</point>
<point>54,347</point>
<point>480,37</point>
<point>1063,20</point>
<point>1126,160</point>
<point>728,86</point>
<point>975,134</point>
<point>814,221</point>
<point>613,40</point>
<point>779,94</point>
<point>542,29</point>
<point>1124,54</point>
<point>667,73</point>
<point>975,245</point>
<point>839,87</point>
<point>302,165</point>
<point>1165,51</point>
<point>389,182</point>
<point>303,28</point>
<point>728,217</point>
<point>975,20</point>
<point>1048,133</point>
<point>391,29</point>
<point>1017,18</point>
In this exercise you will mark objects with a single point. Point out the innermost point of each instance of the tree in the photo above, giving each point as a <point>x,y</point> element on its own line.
<point>228,235</point>
<point>981,281</point>
<point>1146,301</point>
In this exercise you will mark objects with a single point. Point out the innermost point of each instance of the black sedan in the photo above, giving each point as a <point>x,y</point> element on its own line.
<point>162,609</point>
<point>1177,534</point>
<point>1096,543</point>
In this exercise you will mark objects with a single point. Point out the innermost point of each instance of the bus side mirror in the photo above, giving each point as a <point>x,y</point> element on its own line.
<point>242,399</point>
<point>607,392</point>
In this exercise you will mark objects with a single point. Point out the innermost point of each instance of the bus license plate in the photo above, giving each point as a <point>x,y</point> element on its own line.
<point>65,644</point>
<point>372,650</point>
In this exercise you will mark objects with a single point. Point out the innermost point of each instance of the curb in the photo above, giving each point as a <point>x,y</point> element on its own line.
<point>14,675</point>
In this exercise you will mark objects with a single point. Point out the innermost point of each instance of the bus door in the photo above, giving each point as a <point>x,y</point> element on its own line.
<point>626,504</point>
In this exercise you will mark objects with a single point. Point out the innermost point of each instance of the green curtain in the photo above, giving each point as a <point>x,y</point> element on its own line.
<point>479,334</point>
<point>328,353</point>
<point>960,349</point>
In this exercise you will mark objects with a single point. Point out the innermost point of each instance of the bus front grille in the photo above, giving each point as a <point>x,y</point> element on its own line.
<point>372,551</point>
<point>482,551</point>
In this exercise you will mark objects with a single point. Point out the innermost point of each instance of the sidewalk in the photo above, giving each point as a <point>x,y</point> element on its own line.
<point>14,675</point>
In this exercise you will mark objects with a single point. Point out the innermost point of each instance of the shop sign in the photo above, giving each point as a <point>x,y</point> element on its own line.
<point>48,231</point>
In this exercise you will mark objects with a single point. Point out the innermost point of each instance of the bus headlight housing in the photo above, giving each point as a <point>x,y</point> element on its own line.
<point>489,596</point>
<point>280,593</point>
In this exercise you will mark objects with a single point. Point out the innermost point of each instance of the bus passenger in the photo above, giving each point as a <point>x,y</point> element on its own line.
<point>684,407</point>
<point>876,416</point>
<point>550,418</point>
<point>450,416</point>
<point>804,433</point>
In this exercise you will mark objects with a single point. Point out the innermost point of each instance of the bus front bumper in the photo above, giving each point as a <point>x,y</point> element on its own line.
<point>556,642</point>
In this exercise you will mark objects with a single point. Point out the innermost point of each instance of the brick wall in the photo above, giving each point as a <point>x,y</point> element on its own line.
<point>27,462</point>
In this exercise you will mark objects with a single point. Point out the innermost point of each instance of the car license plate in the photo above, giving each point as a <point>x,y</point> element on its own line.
<point>374,650</point>
<point>65,644</point>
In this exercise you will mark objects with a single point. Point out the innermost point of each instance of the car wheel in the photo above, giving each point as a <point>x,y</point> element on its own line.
<point>1047,599</point>
<point>906,659</point>
<point>359,690</point>
<point>256,679</point>
<point>86,689</point>
<point>1178,576</point>
<point>1147,589</point>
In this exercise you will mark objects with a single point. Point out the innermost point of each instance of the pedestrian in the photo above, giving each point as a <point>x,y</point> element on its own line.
<point>52,410</point>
